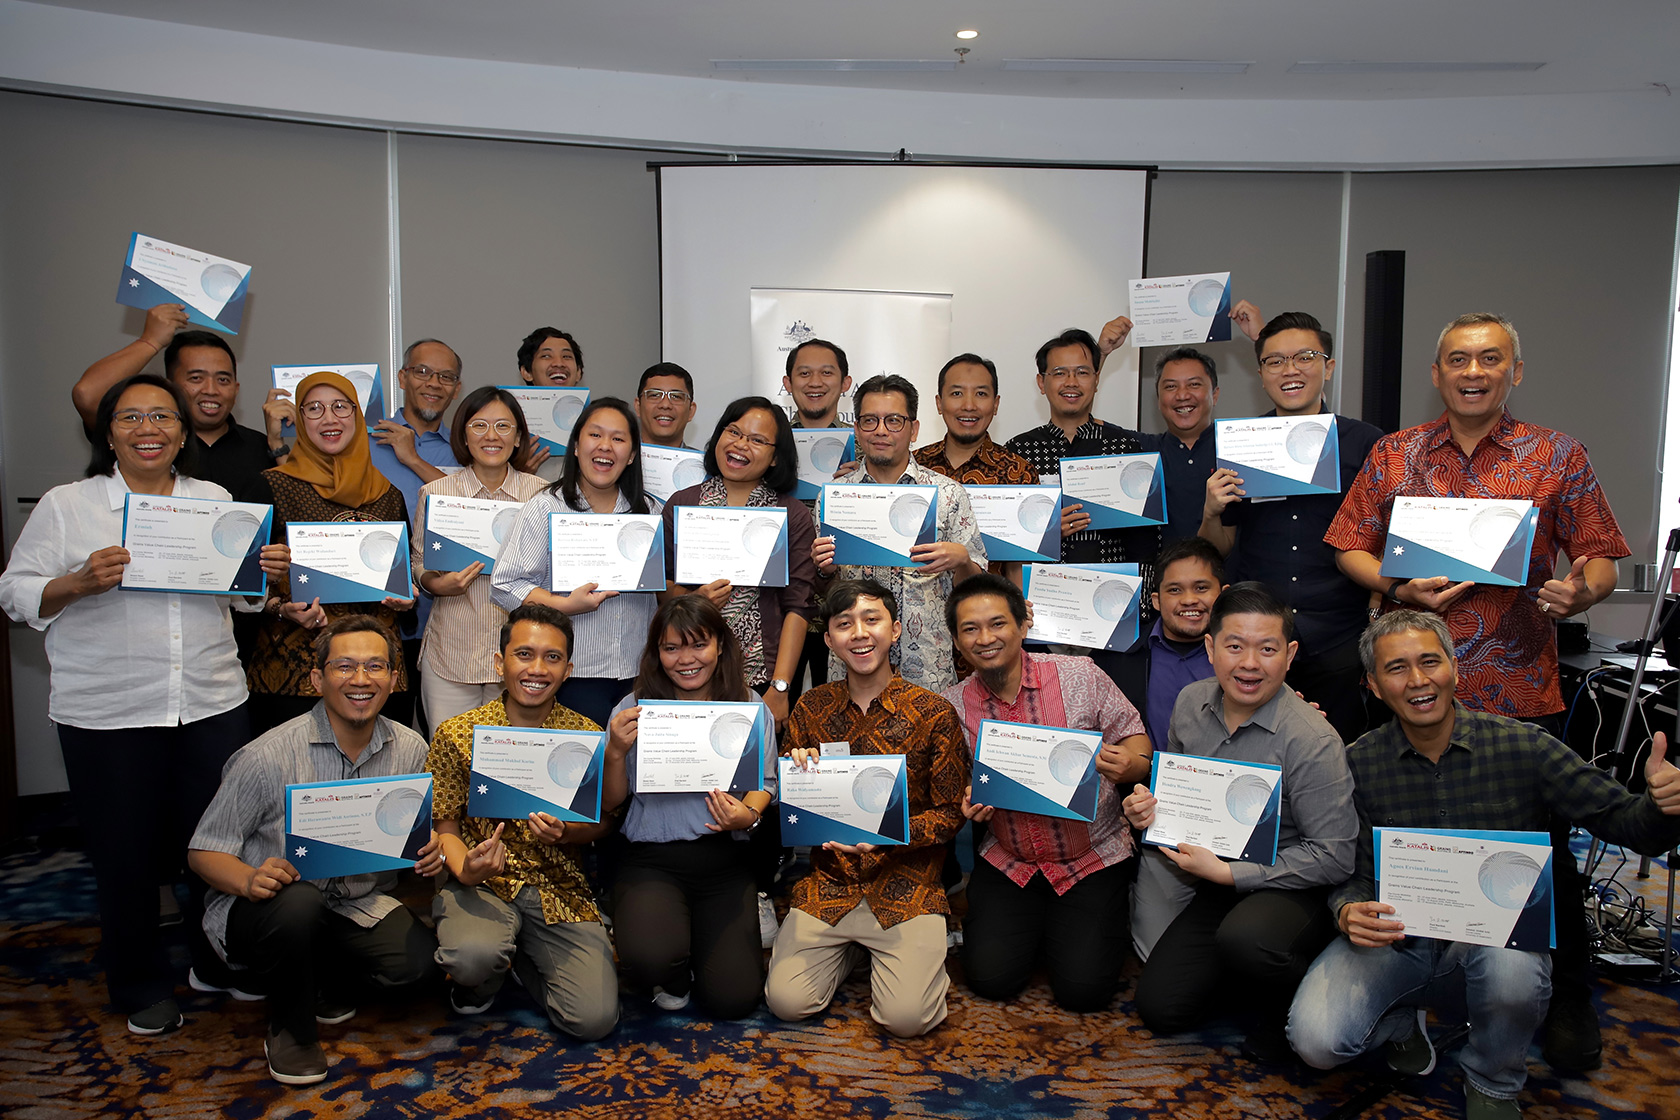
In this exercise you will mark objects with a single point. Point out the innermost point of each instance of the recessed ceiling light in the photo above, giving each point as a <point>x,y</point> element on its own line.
<point>1410,67</point>
<point>1129,65</point>
<point>968,34</point>
<point>833,64</point>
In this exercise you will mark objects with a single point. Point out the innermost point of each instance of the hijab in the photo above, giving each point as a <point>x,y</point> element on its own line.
<point>348,478</point>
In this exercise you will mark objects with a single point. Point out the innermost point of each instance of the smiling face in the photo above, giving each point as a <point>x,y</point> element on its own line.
<point>816,383</point>
<point>690,662</point>
<point>329,431</point>
<point>554,363</point>
<point>988,636</point>
<point>1295,389</point>
<point>1069,382</point>
<point>493,448</point>
<point>1188,589</point>
<point>968,404</point>
<point>862,636</point>
<point>147,450</point>
<point>1415,677</point>
<point>664,420</point>
<point>883,447</point>
<point>534,665</point>
<point>604,448</point>
<point>205,374</point>
<point>430,397</point>
<point>355,699</point>
<point>1250,657</point>
<point>1475,371</point>
<point>746,449</point>
<point>1186,395</point>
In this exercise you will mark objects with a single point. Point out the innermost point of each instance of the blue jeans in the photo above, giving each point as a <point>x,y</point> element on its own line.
<point>1355,998</point>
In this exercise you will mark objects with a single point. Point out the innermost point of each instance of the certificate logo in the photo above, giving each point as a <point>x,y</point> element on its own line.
<point>1305,440</point>
<point>233,532</point>
<point>1068,760</point>
<point>760,535</point>
<point>1493,526</point>
<point>872,789</point>
<point>729,734</point>
<point>906,514</point>
<point>1135,478</point>
<point>1507,878</point>
<point>397,809</point>
<point>1205,296</point>
<point>378,550</point>
<point>568,764</point>
<point>503,522</point>
<point>1245,798</point>
<point>634,539</point>
<point>689,472</point>
<point>825,454</point>
<point>1035,511</point>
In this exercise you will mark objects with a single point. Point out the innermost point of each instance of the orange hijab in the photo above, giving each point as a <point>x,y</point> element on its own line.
<point>348,478</point>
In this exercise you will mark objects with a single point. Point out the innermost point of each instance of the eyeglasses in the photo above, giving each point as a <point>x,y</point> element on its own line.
<point>758,442</point>
<point>675,396</point>
<point>427,373</point>
<point>1301,359</point>
<point>1080,373</point>
<point>160,418</point>
<point>483,427</point>
<point>345,669</point>
<point>341,408</point>
<point>893,422</point>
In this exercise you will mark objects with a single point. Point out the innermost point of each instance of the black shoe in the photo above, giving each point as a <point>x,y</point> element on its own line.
<point>1572,1040</point>
<point>1414,1054</point>
<point>160,1018</point>
<point>332,1011</point>
<point>1268,1043</point>
<point>291,1062</point>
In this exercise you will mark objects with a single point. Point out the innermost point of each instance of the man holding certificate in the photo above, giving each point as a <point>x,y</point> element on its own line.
<point>886,900</point>
<point>1440,765</point>
<point>517,902</point>
<point>1044,886</point>
<point>309,945</point>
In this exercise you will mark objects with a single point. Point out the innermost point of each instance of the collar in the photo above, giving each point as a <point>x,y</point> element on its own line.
<point>1032,676</point>
<point>324,735</point>
<point>1503,433</point>
<point>1463,736</point>
<point>1158,640</point>
<point>1266,716</point>
<point>908,478</point>
<point>116,489</point>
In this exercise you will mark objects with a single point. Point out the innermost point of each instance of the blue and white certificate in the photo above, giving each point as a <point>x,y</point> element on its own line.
<point>1118,491</point>
<point>850,799</point>
<point>1169,310</point>
<point>195,545</point>
<point>357,826</point>
<point>349,561</point>
<point>1230,808</point>
<point>550,411</point>
<point>1484,540</point>
<point>1090,605</point>
<point>517,771</point>
<point>1480,886</point>
<point>212,288</point>
<point>665,470</point>
<point>746,545</point>
<point>1278,456</point>
<point>691,746</point>
<point>821,451</point>
<point>370,388</point>
<point>1051,771</point>
<point>614,551</point>
<point>1018,522</point>
<point>460,531</point>
<point>877,525</point>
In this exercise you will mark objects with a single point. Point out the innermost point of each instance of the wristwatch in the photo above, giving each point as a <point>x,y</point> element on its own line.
<point>779,685</point>
<point>1392,585</point>
<point>283,449</point>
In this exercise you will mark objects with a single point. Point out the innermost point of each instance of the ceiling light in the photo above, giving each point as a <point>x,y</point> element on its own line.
<point>1128,65</point>
<point>1410,67</point>
<point>968,34</point>
<point>834,64</point>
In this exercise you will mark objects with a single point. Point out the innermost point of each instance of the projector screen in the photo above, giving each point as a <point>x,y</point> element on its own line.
<point>1016,253</point>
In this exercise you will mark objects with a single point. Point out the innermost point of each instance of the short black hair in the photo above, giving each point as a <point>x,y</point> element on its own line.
<point>475,403</point>
<point>839,355</point>
<point>783,475</point>
<point>1292,321</point>
<point>1190,548</point>
<point>984,583</point>
<point>1250,597</point>
<point>887,383</point>
<point>357,624</point>
<point>1073,336</point>
<point>533,342</point>
<point>845,593</point>
<point>184,339</point>
<point>104,461</point>
<point>543,615</point>
<point>969,360</point>
<point>661,369</point>
<point>1188,354</point>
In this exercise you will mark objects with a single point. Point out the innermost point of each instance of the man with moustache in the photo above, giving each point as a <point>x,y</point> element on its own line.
<point>665,404</point>
<point>817,377</point>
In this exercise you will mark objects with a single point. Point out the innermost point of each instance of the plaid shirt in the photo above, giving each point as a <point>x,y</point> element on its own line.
<point>1056,691</point>
<point>1496,773</point>
<point>1045,448</point>
<point>1506,648</point>
<point>898,882</point>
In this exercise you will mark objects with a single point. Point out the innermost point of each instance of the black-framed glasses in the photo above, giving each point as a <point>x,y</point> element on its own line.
<point>427,373</point>
<point>341,408</point>
<point>484,427</point>
<point>892,421</point>
<point>675,396</point>
<point>159,417</point>
<point>1301,359</point>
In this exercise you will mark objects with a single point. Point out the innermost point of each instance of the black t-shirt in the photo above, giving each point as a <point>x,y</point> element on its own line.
<point>236,462</point>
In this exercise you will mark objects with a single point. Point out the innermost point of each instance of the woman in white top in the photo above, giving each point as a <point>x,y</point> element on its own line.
<point>602,473</point>
<point>459,645</point>
<point>146,687</point>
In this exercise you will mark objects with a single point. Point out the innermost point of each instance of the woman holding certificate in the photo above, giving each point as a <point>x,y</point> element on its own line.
<point>145,686</point>
<point>600,476</point>
<point>329,477</point>
<point>685,905</point>
<point>457,651</point>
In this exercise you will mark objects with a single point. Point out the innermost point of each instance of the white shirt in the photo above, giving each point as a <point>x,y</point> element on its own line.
<point>121,658</point>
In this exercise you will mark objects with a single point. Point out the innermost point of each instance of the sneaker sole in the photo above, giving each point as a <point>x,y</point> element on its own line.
<point>153,1032</point>
<point>199,985</point>
<point>335,1020</point>
<point>292,1078</point>
<point>479,1010</point>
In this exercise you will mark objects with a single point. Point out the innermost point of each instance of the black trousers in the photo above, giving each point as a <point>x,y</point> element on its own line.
<point>1335,681</point>
<point>139,792</point>
<point>296,948</point>
<point>813,656</point>
<point>1082,936</point>
<point>690,906</point>
<point>1258,943</point>
<point>1572,959</point>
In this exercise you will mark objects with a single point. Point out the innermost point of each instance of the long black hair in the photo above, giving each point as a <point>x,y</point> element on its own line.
<point>104,460</point>
<point>782,476</point>
<point>629,483</point>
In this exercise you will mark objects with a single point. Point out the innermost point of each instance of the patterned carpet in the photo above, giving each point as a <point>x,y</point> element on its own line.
<point>62,1054</point>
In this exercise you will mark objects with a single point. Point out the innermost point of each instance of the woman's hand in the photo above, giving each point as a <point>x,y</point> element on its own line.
<point>730,813</point>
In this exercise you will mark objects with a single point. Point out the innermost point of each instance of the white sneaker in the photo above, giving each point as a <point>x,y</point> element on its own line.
<point>768,927</point>
<point>665,1001</point>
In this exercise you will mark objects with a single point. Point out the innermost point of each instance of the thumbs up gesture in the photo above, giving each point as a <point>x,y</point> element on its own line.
<point>1661,778</point>
<point>1560,598</point>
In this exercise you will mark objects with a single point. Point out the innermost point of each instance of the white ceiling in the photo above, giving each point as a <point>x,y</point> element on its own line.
<point>1609,46</point>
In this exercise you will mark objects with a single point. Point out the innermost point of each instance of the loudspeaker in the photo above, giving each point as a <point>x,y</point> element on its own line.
<point>1385,314</point>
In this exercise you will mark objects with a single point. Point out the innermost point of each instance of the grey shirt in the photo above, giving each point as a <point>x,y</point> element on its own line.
<point>1318,827</point>
<point>659,818</point>
<point>247,817</point>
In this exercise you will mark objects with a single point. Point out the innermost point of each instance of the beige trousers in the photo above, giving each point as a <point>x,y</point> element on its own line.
<point>907,980</point>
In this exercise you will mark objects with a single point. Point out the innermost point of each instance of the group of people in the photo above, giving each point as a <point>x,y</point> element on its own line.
<point>1267,624</point>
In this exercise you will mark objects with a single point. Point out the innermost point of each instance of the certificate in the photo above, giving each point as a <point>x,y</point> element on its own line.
<point>550,411</point>
<point>614,551</point>
<point>195,545</point>
<point>1484,887</point>
<point>852,799</point>
<point>1019,522</point>
<point>1051,771</point>
<point>370,390</point>
<point>1278,456</point>
<point>1169,310</point>
<point>460,531</point>
<point>1118,491</point>
<point>746,545</point>
<point>665,470</point>
<point>1230,808</point>
<point>689,746</point>
<point>349,561</point>
<point>1484,540</point>
<point>1091,605</point>
<point>357,826</point>
<point>517,771</point>
<point>877,525</point>
<point>212,288</point>
<point>821,451</point>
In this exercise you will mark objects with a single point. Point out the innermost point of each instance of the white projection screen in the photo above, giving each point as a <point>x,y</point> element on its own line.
<point>1022,252</point>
